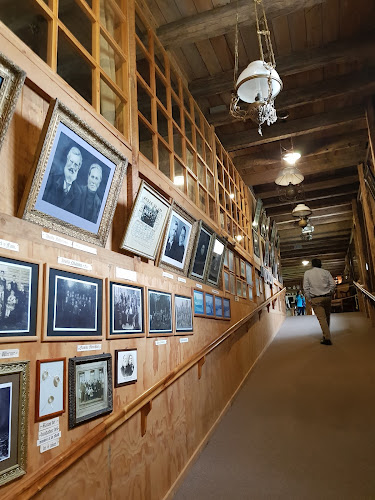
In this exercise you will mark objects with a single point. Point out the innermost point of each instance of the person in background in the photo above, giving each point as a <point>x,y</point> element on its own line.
<point>319,286</point>
<point>299,303</point>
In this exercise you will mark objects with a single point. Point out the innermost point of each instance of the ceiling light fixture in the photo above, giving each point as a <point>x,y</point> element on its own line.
<point>305,262</point>
<point>289,175</point>
<point>259,84</point>
<point>301,210</point>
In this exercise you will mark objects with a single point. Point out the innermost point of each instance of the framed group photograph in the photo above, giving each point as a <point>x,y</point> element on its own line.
<point>226,308</point>
<point>209,305</point>
<point>198,296</point>
<point>19,283</point>
<point>126,368</point>
<point>11,81</point>
<point>77,179</point>
<point>126,314</point>
<point>14,404</point>
<point>90,388</point>
<point>183,314</point>
<point>159,313</point>
<point>178,241</point>
<point>199,261</point>
<point>74,306</point>
<point>50,388</point>
<point>147,222</point>
<point>216,261</point>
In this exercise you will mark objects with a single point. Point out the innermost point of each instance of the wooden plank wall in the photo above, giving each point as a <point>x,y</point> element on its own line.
<point>183,415</point>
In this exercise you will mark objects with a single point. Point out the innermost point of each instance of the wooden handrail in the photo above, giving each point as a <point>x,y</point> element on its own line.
<point>41,478</point>
<point>364,291</point>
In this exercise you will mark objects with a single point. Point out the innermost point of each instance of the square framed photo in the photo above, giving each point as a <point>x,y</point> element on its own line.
<point>74,306</point>
<point>202,248</point>
<point>218,307</point>
<point>126,310</point>
<point>77,179</point>
<point>209,305</point>
<point>146,223</point>
<point>50,388</point>
<point>183,314</point>
<point>126,367</point>
<point>11,81</point>
<point>198,296</point>
<point>14,404</point>
<point>19,285</point>
<point>159,313</point>
<point>90,388</point>
<point>216,261</point>
<point>226,308</point>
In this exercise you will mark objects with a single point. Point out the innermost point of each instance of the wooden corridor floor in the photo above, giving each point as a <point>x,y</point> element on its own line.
<point>303,424</point>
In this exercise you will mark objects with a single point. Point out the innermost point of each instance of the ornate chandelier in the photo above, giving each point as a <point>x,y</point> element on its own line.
<point>259,83</point>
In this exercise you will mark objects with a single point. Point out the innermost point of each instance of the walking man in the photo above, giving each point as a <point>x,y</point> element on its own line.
<point>319,286</point>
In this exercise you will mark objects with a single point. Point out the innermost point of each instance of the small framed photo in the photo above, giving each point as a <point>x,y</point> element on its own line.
<point>11,81</point>
<point>74,306</point>
<point>209,304</point>
<point>147,222</point>
<point>202,247</point>
<point>19,284</point>
<point>239,287</point>
<point>126,310</point>
<point>14,404</point>
<point>249,274</point>
<point>183,314</point>
<point>226,308</point>
<point>50,388</point>
<point>256,243</point>
<point>126,367</point>
<point>90,388</point>
<point>218,307</point>
<point>159,313</point>
<point>198,296</point>
<point>178,241</point>
<point>216,261</point>
<point>77,178</point>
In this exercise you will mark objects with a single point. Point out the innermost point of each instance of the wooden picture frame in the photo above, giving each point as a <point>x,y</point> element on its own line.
<point>90,388</point>
<point>126,310</point>
<point>73,306</point>
<point>249,274</point>
<point>226,308</point>
<point>199,308</point>
<point>209,305</point>
<point>183,309</point>
<point>11,82</point>
<point>20,284</point>
<point>218,302</point>
<point>257,214</point>
<point>126,367</point>
<point>50,388</point>
<point>201,251</point>
<point>256,245</point>
<point>147,222</point>
<point>14,406</point>
<point>160,318</point>
<point>216,261</point>
<point>77,178</point>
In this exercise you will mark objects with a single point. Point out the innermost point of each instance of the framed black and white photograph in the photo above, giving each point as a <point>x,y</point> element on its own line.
<point>126,313</point>
<point>226,308</point>
<point>178,241</point>
<point>216,261</point>
<point>11,82</point>
<point>257,214</point>
<point>19,285</point>
<point>90,388</point>
<point>249,274</point>
<point>263,224</point>
<point>183,314</point>
<point>126,367</point>
<point>50,388</point>
<point>239,287</point>
<point>74,305</point>
<point>209,304</point>
<point>199,261</point>
<point>14,404</point>
<point>159,313</point>
<point>218,307</point>
<point>146,223</point>
<point>198,296</point>
<point>256,243</point>
<point>77,178</point>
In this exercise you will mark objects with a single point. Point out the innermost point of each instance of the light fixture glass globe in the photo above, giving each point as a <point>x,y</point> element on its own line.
<point>288,176</point>
<point>252,84</point>
<point>291,158</point>
<point>301,210</point>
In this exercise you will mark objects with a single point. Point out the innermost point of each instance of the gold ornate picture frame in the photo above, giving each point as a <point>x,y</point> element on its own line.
<point>77,178</point>
<point>11,81</point>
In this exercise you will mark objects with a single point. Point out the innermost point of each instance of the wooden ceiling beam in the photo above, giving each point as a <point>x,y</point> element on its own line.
<point>339,209</point>
<point>316,221</point>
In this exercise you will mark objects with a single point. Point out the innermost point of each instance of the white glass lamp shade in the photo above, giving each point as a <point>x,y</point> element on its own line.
<point>252,84</point>
<point>289,176</point>
<point>301,210</point>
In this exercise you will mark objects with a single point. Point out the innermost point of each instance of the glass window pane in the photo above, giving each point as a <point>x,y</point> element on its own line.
<point>177,142</point>
<point>112,107</point>
<point>164,159</point>
<point>226,282</point>
<point>141,30</point>
<point>145,141</point>
<point>192,189</point>
<point>159,57</point>
<point>77,22</point>
<point>212,208</point>
<point>111,62</point>
<point>110,21</point>
<point>161,90</point>
<point>143,65</point>
<point>188,129</point>
<point>201,167</point>
<point>190,159</point>
<point>144,102</point>
<point>210,183</point>
<point>73,68</point>
<point>163,125</point>
<point>208,156</point>
<point>176,113</point>
<point>197,116</point>
<point>199,144</point>
<point>179,177</point>
<point>202,199</point>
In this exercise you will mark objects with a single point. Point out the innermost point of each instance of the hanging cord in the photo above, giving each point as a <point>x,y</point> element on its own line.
<point>235,75</point>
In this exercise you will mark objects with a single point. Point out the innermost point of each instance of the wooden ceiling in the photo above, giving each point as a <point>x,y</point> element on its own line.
<point>325,55</point>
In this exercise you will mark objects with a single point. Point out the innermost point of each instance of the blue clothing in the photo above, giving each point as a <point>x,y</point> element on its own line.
<point>299,300</point>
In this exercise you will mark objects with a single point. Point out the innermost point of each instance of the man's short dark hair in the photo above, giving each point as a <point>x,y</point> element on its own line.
<point>316,263</point>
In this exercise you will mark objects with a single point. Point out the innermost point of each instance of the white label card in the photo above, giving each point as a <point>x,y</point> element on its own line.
<point>215,292</point>
<point>9,353</point>
<point>57,239</point>
<point>236,299</point>
<point>89,347</point>
<point>49,423</point>
<point>198,285</point>
<point>49,446</point>
<point>52,437</point>
<point>126,274</point>
<point>48,432</point>
<point>160,342</point>
<point>9,245</point>
<point>74,263</point>
<point>168,275</point>
<point>182,280</point>
<point>84,248</point>
<point>184,340</point>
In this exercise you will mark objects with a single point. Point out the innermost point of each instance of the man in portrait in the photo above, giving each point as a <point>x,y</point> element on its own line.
<point>127,367</point>
<point>90,201</point>
<point>200,260</point>
<point>62,190</point>
<point>172,243</point>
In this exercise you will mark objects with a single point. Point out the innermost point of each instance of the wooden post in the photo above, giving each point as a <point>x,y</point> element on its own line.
<point>201,362</point>
<point>370,118</point>
<point>144,412</point>
<point>360,252</point>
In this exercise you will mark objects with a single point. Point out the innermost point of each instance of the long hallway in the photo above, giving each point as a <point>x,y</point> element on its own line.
<point>303,424</point>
